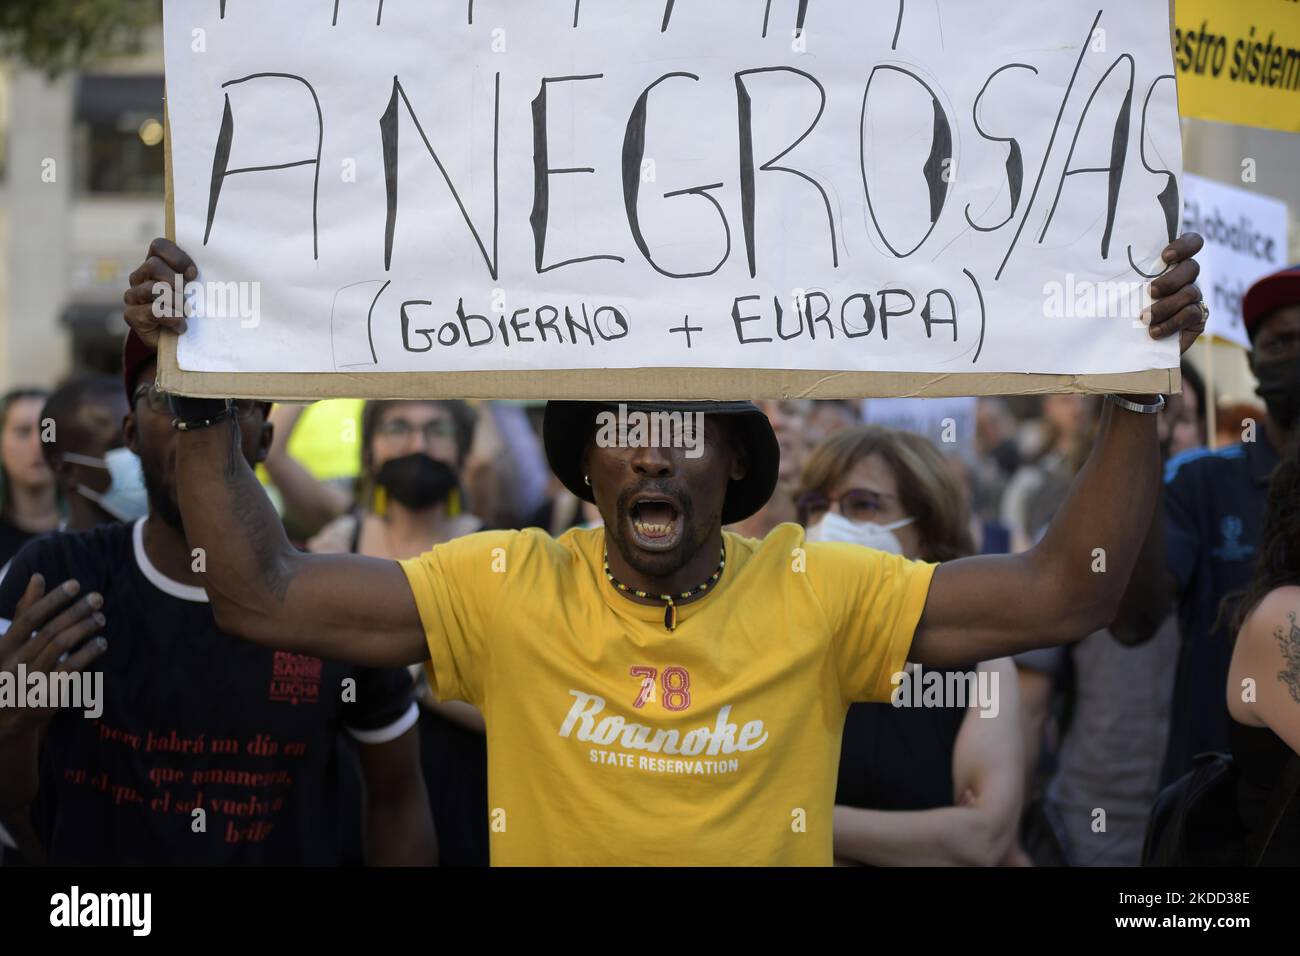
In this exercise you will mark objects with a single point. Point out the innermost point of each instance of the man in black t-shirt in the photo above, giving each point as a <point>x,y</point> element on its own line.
<point>208,750</point>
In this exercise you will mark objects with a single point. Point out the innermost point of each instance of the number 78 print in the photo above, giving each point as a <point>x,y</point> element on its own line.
<point>676,687</point>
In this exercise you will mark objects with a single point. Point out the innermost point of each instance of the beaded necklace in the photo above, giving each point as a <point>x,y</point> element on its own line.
<point>670,609</point>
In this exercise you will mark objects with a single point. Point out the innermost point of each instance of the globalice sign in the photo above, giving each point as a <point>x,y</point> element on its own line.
<point>1245,239</point>
<point>840,185</point>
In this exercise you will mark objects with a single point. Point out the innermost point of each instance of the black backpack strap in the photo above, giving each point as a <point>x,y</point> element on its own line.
<point>1278,800</point>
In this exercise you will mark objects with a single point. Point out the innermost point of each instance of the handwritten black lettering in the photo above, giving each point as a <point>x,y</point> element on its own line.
<point>1118,150</point>
<point>619,318</point>
<point>1168,197</point>
<point>886,313</point>
<point>544,324</point>
<point>406,327</point>
<point>930,320</point>
<point>668,15</point>
<point>823,316</point>
<point>542,173</point>
<point>388,127</point>
<point>868,315</point>
<point>898,26</point>
<point>221,155</point>
<point>745,110</point>
<point>633,155</point>
<point>465,319</point>
<point>937,162</point>
<point>739,319</point>
<point>799,17</point>
<point>519,332</point>
<point>573,326</point>
<point>1015,164</point>
<point>1047,153</point>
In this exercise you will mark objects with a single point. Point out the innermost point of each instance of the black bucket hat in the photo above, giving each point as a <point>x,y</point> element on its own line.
<point>567,426</point>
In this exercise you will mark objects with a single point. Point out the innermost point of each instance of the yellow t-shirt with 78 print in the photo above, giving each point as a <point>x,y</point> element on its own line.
<point>614,741</point>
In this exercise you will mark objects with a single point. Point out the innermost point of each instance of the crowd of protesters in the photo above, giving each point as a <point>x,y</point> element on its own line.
<point>1062,766</point>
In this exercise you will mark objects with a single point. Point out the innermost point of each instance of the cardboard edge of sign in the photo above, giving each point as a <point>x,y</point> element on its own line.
<point>641,383</point>
<point>629,383</point>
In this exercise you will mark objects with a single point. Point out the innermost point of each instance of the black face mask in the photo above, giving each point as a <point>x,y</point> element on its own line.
<point>417,481</point>
<point>1279,387</point>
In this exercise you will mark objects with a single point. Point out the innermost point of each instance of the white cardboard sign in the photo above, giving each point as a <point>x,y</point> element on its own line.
<point>853,185</point>
<point>1245,239</point>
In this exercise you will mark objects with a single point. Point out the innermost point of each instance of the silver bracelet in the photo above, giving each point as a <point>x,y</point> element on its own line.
<point>1135,407</point>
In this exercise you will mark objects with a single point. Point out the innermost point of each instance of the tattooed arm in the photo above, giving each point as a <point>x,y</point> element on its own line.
<point>344,607</point>
<point>1264,677</point>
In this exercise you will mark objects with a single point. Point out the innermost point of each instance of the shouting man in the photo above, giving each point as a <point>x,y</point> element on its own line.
<point>659,691</point>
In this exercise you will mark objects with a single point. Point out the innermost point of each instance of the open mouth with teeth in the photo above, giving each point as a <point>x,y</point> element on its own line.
<point>656,523</point>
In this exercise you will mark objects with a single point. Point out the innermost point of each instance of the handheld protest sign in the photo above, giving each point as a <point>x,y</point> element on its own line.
<point>660,200</point>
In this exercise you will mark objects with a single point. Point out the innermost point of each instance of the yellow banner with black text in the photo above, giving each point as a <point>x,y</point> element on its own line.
<point>1238,61</point>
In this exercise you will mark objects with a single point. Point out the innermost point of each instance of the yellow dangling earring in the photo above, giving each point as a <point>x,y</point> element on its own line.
<point>379,501</point>
<point>453,503</point>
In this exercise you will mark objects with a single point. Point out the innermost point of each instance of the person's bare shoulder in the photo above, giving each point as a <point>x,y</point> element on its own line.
<point>1266,659</point>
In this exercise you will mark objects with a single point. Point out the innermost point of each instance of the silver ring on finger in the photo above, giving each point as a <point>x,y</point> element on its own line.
<point>1205,311</point>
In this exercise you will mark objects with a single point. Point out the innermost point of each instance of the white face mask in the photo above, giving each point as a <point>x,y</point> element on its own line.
<point>126,498</point>
<point>836,527</point>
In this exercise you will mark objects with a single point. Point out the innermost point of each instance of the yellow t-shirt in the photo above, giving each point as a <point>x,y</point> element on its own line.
<point>613,741</point>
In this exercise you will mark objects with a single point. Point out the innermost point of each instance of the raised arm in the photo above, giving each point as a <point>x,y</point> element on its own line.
<point>1071,583</point>
<point>344,607</point>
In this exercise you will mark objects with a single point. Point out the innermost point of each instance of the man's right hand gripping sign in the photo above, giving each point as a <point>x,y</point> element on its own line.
<point>659,690</point>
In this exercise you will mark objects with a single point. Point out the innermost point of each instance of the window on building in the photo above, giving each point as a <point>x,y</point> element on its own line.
<point>120,134</point>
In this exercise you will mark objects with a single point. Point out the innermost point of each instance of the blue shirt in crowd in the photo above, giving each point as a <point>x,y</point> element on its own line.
<point>1214,515</point>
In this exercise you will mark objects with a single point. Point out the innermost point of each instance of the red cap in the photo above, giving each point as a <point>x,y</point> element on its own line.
<point>135,354</point>
<point>1267,295</point>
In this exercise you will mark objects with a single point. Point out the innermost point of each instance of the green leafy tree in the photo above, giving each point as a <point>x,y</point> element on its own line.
<point>58,35</point>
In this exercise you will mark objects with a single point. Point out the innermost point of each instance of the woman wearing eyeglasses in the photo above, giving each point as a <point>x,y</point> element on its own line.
<point>933,778</point>
<point>413,455</point>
